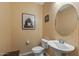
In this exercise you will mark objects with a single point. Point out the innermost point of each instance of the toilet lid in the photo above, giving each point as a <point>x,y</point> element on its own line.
<point>38,48</point>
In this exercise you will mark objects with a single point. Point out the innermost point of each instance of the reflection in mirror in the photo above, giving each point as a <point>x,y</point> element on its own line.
<point>66,20</point>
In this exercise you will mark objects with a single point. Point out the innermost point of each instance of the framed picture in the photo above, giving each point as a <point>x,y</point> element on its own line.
<point>46,18</point>
<point>28,21</point>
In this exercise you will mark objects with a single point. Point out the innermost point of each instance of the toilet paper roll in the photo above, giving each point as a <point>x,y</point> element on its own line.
<point>27,42</point>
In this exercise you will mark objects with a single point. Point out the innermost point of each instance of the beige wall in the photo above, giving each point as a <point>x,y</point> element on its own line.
<point>5,27</point>
<point>52,34</point>
<point>12,36</point>
<point>21,36</point>
<point>47,30</point>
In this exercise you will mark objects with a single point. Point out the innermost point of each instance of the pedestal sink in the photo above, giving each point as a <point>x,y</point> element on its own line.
<point>60,47</point>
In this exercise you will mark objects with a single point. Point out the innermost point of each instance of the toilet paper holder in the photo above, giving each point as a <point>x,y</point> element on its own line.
<point>27,42</point>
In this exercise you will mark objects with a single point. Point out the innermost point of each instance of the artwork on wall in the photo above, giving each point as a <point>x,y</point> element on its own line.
<point>28,21</point>
<point>46,18</point>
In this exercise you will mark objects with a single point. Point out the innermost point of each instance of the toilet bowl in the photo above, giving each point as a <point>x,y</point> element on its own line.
<point>39,50</point>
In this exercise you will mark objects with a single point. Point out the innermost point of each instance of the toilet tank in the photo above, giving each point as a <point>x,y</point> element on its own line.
<point>44,43</point>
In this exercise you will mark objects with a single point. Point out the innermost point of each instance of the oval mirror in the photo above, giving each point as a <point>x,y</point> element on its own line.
<point>66,20</point>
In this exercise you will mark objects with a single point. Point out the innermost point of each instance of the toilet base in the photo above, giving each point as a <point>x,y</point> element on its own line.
<point>39,54</point>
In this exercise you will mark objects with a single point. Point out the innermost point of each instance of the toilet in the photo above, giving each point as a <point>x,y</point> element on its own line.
<point>39,50</point>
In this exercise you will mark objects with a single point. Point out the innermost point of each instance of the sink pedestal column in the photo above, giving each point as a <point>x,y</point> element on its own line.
<point>57,53</point>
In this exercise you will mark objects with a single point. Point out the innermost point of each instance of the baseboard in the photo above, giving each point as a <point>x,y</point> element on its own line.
<point>25,54</point>
<point>1,54</point>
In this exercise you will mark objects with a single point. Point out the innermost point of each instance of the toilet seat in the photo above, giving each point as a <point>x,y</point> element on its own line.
<point>37,49</point>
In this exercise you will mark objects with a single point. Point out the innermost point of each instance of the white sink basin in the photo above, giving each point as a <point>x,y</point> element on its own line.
<point>60,47</point>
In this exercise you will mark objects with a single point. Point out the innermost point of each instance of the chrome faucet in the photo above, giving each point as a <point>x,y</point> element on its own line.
<point>61,41</point>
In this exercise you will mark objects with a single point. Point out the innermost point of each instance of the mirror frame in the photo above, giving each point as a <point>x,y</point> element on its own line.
<point>75,12</point>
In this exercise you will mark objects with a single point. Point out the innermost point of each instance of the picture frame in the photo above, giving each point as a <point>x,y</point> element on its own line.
<point>46,18</point>
<point>28,21</point>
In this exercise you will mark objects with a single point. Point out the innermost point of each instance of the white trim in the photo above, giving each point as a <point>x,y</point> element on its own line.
<point>40,3</point>
<point>25,54</point>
